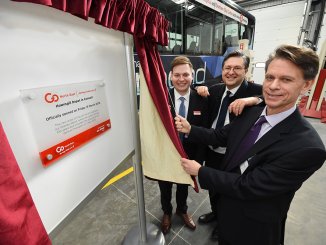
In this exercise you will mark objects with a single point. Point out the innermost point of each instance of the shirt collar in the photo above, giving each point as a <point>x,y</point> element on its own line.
<point>277,118</point>
<point>177,95</point>
<point>233,91</point>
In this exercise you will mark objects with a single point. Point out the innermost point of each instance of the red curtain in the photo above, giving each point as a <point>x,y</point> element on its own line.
<point>20,222</point>
<point>148,27</point>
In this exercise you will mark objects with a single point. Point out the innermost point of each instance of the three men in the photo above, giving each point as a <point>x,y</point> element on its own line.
<point>257,186</point>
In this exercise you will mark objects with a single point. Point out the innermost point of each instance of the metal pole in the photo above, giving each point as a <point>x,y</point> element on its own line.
<point>140,234</point>
<point>305,20</point>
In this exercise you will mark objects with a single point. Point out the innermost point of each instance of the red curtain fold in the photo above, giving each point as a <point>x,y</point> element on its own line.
<point>136,17</point>
<point>20,222</point>
<point>142,13</point>
<point>97,10</point>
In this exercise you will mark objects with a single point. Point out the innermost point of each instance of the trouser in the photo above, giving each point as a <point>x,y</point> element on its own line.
<point>213,160</point>
<point>166,196</point>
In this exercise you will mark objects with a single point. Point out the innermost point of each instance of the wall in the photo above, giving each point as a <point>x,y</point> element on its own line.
<point>41,46</point>
<point>275,26</point>
<point>322,35</point>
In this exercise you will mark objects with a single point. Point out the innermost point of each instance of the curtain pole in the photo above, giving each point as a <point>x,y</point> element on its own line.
<point>142,233</point>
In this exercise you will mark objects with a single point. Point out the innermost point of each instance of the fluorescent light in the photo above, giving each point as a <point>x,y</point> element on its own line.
<point>179,1</point>
<point>190,7</point>
<point>260,65</point>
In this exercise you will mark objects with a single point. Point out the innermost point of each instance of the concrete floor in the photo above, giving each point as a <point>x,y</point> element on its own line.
<point>108,217</point>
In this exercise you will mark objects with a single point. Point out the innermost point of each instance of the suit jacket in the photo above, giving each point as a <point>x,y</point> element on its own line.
<point>253,206</point>
<point>246,89</point>
<point>197,115</point>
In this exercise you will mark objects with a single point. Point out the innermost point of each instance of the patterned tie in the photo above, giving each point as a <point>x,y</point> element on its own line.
<point>223,110</point>
<point>249,140</point>
<point>182,112</point>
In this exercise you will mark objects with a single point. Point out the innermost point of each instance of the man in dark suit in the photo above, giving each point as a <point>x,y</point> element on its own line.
<point>234,69</point>
<point>188,103</point>
<point>257,185</point>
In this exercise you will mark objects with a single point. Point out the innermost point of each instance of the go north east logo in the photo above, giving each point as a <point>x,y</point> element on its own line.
<point>50,98</point>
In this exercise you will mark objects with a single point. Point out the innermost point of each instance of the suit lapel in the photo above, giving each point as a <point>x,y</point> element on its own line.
<point>240,130</point>
<point>217,103</point>
<point>191,106</point>
<point>241,92</point>
<point>275,134</point>
<point>271,137</point>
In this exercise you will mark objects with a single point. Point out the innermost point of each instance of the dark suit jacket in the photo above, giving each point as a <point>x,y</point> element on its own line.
<point>254,205</point>
<point>246,89</point>
<point>197,115</point>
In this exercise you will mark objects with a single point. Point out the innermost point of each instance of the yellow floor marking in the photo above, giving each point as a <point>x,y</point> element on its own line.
<point>117,177</point>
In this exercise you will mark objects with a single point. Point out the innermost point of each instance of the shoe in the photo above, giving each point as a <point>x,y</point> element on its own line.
<point>187,220</point>
<point>166,223</point>
<point>214,235</point>
<point>207,218</point>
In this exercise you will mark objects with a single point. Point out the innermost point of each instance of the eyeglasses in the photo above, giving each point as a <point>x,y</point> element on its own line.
<point>236,69</point>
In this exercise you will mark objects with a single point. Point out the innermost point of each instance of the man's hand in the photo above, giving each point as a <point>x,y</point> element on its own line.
<point>202,91</point>
<point>190,166</point>
<point>238,105</point>
<point>182,125</point>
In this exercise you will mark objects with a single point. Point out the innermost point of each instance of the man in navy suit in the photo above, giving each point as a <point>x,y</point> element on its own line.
<point>257,186</point>
<point>195,109</point>
<point>234,68</point>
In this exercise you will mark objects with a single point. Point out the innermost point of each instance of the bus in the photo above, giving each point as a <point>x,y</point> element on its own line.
<point>204,31</point>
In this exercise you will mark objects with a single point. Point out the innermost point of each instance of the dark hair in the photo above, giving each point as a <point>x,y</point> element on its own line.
<point>304,58</point>
<point>180,60</point>
<point>237,53</point>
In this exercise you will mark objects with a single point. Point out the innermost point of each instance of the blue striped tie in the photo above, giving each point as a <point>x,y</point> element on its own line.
<point>182,112</point>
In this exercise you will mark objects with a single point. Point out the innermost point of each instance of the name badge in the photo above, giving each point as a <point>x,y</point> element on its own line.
<point>197,113</point>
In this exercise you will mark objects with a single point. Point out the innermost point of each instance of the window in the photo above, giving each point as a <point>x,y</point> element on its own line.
<point>218,35</point>
<point>231,33</point>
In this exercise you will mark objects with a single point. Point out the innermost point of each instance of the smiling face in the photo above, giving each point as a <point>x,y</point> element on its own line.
<point>233,72</point>
<point>283,84</point>
<point>181,78</point>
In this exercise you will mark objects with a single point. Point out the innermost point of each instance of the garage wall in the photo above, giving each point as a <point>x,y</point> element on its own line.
<point>41,46</point>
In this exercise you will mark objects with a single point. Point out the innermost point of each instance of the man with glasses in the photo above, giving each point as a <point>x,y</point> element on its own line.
<point>186,102</point>
<point>234,86</point>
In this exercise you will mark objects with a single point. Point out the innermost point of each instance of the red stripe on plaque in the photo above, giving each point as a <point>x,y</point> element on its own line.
<point>63,148</point>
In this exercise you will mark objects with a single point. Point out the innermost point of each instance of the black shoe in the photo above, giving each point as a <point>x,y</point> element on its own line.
<point>214,235</point>
<point>207,218</point>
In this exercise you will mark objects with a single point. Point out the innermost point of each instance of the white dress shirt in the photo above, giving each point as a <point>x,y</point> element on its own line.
<point>222,150</point>
<point>178,101</point>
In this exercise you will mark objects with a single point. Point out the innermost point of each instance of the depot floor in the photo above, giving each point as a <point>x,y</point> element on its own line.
<point>108,217</point>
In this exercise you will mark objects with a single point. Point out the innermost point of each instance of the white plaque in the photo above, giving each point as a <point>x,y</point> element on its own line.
<point>65,117</point>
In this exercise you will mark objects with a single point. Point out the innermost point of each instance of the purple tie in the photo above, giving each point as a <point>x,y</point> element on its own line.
<point>249,140</point>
